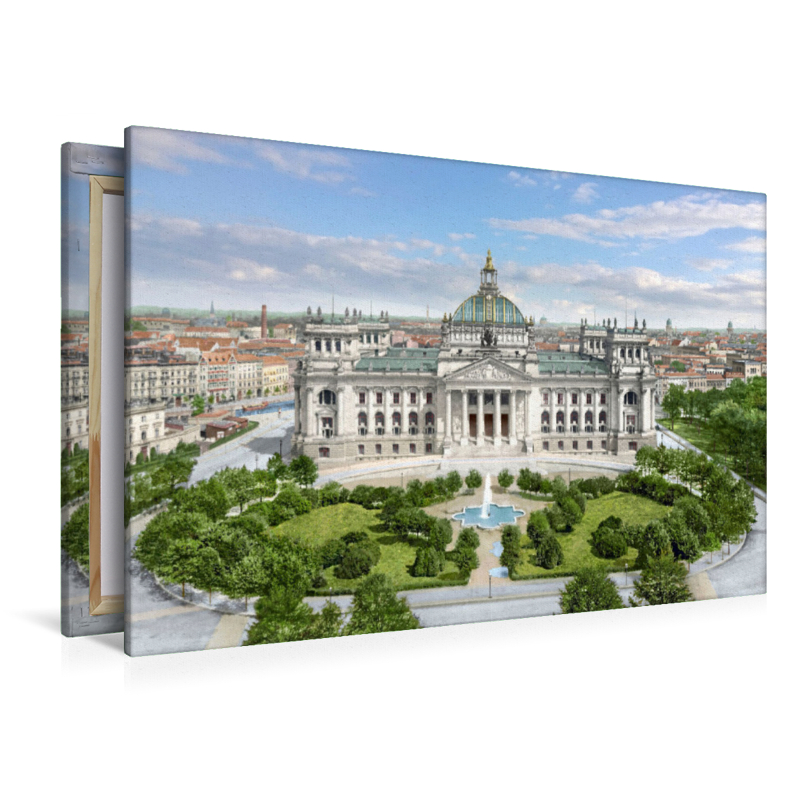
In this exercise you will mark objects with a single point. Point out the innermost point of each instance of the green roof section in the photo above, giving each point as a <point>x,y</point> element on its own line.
<point>571,363</point>
<point>401,359</point>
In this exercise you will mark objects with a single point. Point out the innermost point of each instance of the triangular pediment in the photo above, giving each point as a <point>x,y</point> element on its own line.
<point>487,370</point>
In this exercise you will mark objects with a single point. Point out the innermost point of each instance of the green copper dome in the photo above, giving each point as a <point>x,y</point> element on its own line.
<point>488,308</point>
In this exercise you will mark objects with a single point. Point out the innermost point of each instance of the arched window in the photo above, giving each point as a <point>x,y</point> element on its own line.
<point>326,398</point>
<point>430,419</point>
<point>638,353</point>
<point>396,418</point>
<point>573,422</point>
<point>631,399</point>
<point>588,417</point>
<point>559,418</point>
<point>362,422</point>
<point>630,352</point>
<point>413,419</point>
<point>318,345</point>
<point>379,420</point>
<point>545,417</point>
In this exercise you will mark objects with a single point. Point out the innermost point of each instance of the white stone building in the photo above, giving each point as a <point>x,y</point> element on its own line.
<point>486,389</point>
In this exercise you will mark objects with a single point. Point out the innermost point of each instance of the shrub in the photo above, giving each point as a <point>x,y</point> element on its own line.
<point>440,533</point>
<point>511,541</point>
<point>428,562</point>
<point>355,537</point>
<point>577,495</point>
<point>610,544</point>
<point>332,552</point>
<point>469,538</point>
<point>558,488</point>
<point>545,487</point>
<point>538,527</point>
<point>549,553</point>
<point>474,479</point>
<point>357,562</point>
<point>312,495</point>
<point>572,512</point>
<point>556,518</point>
<point>465,558</point>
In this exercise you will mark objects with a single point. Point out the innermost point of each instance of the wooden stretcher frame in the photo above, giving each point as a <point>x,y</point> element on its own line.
<point>99,185</point>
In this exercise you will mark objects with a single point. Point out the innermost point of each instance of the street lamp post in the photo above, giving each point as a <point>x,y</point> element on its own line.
<point>626,573</point>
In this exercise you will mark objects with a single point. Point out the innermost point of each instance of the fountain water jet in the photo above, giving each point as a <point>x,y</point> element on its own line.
<point>488,514</point>
<point>487,498</point>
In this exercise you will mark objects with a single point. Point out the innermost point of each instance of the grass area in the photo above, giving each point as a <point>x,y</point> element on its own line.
<point>152,464</point>
<point>699,435</point>
<point>250,425</point>
<point>632,509</point>
<point>331,522</point>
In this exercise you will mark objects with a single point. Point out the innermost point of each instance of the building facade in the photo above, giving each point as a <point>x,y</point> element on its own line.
<point>485,389</point>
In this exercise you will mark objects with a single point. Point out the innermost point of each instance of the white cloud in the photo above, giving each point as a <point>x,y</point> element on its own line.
<point>316,164</point>
<point>709,264</point>
<point>586,193</point>
<point>457,237</point>
<point>752,244</point>
<point>520,180</point>
<point>691,215</point>
<point>167,150</point>
<point>361,192</point>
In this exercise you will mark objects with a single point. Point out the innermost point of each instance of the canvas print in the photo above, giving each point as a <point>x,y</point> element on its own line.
<point>370,392</point>
<point>82,166</point>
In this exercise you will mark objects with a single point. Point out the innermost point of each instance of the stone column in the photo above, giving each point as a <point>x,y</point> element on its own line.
<point>512,416</point>
<point>497,418</point>
<point>621,413</point>
<point>480,431</point>
<point>387,418</point>
<point>464,416</point>
<point>309,415</point>
<point>403,412</point>
<point>643,409</point>
<point>581,404</point>
<point>553,398</point>
<point>528,411</point>
<point>448,414</point>
<point>370,411</point>
<point>340,401</point>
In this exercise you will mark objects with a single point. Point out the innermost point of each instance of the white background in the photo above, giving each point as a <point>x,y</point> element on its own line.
<point>691,701</point>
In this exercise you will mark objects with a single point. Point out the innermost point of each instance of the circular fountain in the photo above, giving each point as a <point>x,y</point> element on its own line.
<point>488,514</point>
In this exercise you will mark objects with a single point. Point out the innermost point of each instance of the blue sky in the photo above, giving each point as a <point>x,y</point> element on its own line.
<point>244,222</point>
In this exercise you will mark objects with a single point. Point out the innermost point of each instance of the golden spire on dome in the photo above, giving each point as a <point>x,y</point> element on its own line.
<point>489,264</point>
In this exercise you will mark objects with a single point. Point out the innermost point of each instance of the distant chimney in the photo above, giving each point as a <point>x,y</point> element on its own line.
<point>263,322</point>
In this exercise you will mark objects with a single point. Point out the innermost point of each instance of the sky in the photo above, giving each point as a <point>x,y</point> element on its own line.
<point>242,222</point>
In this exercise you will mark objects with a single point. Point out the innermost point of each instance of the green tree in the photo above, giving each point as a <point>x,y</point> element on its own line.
<point>303,470</point>
<point>663,580</point>
<point>281,616</point>
<point>181,563</point>
<point>572,512</point>
<point>198,405</point>
<point>428,562</point>
<point>673,403</point>
<point>511,539</point>
<point>590,590</point>
<point>549,553</point>
<point>538,527</point>
<point>454,482</point>
<point>171,473</point>
<point>474,479</point>
<point>376,608</point>
<point>247,579</point>
<point>505,479</point>
<point>277,467</point>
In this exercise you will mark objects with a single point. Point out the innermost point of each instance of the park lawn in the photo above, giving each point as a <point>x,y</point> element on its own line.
<point>630,508</point>
<point>331,522</point>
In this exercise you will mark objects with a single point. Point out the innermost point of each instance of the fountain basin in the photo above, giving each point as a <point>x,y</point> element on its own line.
<point>473,516</point>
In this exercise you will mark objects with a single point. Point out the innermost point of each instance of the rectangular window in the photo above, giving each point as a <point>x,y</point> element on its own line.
<point>561,445</point>
<point>324,452</point>
<point>560,399</point>
<point>379,398</point>
<point>429,398</point>
<point>396,398</point>
<point>429,447</point>
<point>362,398</point>
<point>604,444</point>
<point>574,398</point>
<point>413,398</point>
<point>574,445</point>
<point>545,398</point>
<point>546,445</point>
<point>361,449</point>
<point>631,445</point>
<point>588,399</point>
<point>602,399</point>
<point>412,448</point>
<point>378,449</point>
<point>396,449</point>
<point>589,446</point>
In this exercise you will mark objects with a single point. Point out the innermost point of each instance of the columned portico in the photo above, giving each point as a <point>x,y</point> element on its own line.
<point>479,439</point>
<point>464,417</point>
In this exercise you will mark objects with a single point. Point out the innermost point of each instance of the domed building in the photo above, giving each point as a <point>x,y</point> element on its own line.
<point>485,389</point>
